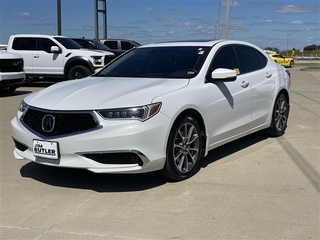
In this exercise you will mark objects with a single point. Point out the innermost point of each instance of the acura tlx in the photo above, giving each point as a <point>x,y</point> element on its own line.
<point>159,107</point>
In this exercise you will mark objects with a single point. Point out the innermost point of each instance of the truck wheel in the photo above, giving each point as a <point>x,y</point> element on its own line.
<point>79,71</point>
<point>7,89</point>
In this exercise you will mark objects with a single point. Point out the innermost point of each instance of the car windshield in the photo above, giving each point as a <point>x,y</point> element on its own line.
<point>158,62</point>
<point>98,45</point>
<point>68,43</point>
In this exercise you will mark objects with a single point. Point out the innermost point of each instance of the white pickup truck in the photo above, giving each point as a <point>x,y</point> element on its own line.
<point>11,71</point>
<point>56,56</point>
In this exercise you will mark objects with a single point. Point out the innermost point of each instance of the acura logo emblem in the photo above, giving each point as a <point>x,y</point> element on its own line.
<point>48,122</point>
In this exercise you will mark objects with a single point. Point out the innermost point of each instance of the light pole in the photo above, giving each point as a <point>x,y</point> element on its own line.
<point>288,39</point>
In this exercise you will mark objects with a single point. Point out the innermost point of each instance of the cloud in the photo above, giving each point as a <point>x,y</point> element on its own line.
<point>296,9</point>
<point>233,4</point>
<point>24,15</point>
<point>148,10</point>
<point>268,21</point>
<point>168,19</point>
<point>296,22</point>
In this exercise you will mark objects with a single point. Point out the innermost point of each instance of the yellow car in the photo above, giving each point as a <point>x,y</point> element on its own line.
<point>284,61</point>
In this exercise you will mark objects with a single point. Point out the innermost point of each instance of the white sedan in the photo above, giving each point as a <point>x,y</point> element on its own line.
<point>159,107</point>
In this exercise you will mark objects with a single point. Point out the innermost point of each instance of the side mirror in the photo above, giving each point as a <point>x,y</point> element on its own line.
<point>55,49</point>
<point>224,75</point>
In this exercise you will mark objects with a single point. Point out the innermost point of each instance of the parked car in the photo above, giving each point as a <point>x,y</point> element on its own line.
<point>56,56</point>
<point>120,44</point>
<point>160,107</point>
<point>96,45</point>
<point>12,74</point>
<point>282,60</point>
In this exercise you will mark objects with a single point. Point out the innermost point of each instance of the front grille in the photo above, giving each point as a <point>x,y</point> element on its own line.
<point>65,122</point>
<point>11,65</point>
<point>20,146</point>
<point>115,158</point>
<point>107,59</point>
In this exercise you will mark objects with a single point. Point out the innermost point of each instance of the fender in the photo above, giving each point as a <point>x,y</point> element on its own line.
<point>78,60</point>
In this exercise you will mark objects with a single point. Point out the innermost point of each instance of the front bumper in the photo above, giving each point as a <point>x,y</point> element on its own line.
<point>144,142</point>
<point>12,78</point>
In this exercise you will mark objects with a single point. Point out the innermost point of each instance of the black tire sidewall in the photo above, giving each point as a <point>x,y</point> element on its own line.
<point>79,68</point>
<point>170,167</point>
<point>274,131</point>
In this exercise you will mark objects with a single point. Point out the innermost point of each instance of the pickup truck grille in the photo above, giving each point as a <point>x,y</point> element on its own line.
<point>11,65</point>
<point>65,122</point>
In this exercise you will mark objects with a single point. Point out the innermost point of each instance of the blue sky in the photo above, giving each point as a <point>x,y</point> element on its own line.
<point>274,23</point>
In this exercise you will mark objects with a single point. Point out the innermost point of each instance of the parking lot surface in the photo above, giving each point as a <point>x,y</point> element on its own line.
<point>253,188</point>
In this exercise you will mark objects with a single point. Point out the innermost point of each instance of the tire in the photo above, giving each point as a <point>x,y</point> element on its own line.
<point>279,117</point>
<point>183,150</point>
<point>78,72</point>
<point>7,90</point>
<point>291,64</point>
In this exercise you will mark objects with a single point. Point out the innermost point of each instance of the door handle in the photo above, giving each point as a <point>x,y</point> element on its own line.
<point>36,56</point>
<point>268,75</point>
<point>244,84</point>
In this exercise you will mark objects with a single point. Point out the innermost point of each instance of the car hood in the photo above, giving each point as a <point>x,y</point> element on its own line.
<point>92,52</point>
<point>103,92</point>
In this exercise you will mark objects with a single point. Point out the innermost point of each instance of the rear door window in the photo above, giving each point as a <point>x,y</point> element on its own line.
<point>24,43</point>
<point>126,45</point>
<point>250,58</point>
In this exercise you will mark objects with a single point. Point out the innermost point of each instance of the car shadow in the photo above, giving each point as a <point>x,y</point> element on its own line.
<point>83,179</point>
<point>15,93</point>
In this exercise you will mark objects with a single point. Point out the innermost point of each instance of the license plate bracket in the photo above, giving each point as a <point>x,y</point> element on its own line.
<point>46,149</point>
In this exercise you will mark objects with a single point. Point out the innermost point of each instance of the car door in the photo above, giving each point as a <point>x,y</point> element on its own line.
<point>25,47</point>
<point>45,61</point>
<point>262,81</point>
<point>229,102</point>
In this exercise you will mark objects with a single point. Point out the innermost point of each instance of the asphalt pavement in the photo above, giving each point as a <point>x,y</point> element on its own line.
<point>253,188</point>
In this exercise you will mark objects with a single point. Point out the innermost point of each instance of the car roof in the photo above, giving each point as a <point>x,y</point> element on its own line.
<point>196,43</point>
<point>37,35</point>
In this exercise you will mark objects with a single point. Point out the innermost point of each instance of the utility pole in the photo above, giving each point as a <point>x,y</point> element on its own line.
<point>59,17</point>
<point>217,30</point>
<point>288,40</point>
<point>227,20</point>
<point>97,10</point>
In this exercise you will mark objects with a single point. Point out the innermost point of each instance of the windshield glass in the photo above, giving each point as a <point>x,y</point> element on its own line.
<point>99,45</point>
<point>68,43</point>
<point>158,62</point>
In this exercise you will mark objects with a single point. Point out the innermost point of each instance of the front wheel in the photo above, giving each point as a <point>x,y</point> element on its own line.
<point>279,117</point>
<point>183,150</point>
<point>79,71</point>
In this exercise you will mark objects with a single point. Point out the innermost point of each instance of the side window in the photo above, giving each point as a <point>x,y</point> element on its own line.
<point>249,58</point>
<point>225,58</point>
<point>111,44</point>
<point>84,44</point>
<point>262,59</point>
<point>45,44</point>
<point>126,45</point>
<point>23,43</point>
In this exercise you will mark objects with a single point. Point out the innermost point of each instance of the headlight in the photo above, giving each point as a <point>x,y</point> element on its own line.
<point>23,107</point>
<point>97,60</point>
<point>140,113</point>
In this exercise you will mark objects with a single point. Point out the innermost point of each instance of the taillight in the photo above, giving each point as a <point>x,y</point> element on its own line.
<point>288,72</point>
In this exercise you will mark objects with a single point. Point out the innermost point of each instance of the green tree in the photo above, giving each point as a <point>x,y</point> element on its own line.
<point>311,47</point>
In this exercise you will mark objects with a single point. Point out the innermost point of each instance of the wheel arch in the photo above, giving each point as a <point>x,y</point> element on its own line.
<point>79,60</point>
<point>285,93</point>
<point>193,113</point>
